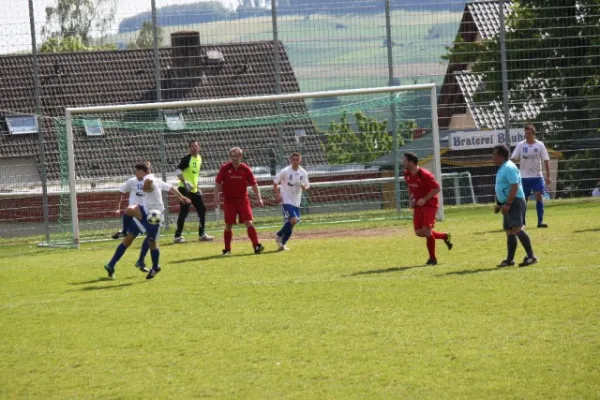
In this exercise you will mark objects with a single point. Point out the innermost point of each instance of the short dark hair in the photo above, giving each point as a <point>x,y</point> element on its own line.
<point>191,142</point>
<point>530,126</point>
<point>142,166</point>
<point>502,150</point>
<point>412,157</point>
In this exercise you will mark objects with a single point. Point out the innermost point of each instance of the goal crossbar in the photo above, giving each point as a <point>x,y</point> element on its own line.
<point>71,111</point>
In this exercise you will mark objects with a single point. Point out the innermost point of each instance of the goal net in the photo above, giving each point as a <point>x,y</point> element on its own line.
<point>351,141</point>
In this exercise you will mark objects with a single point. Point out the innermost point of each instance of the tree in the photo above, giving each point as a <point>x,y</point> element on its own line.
<point>70,44</point>
<point>344,146</point>
<point>145,38</point>
<point>77,18</point>
<point>553,59</point>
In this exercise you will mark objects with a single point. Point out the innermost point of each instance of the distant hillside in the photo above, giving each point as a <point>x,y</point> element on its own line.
<point>212,11</point>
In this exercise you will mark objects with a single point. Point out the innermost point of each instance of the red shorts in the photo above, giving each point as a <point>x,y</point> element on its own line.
<point>234,209</point>
<point>424,217</point>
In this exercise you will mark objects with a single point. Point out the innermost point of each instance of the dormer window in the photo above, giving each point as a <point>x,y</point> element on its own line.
<point>22,124</point>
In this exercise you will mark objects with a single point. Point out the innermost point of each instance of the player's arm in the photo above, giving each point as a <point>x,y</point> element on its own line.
<point>180,197</point>
<point>546,158</point>
<point>429,196</point>
<point>514,188</point>
<point>306,184</point>
<point>256,191</point>
<point>219,185</point>
<point>516,155</point>
<point>276,183</point>
<point>184,164</point>
<point>119,200</point>
<point>435,189</point>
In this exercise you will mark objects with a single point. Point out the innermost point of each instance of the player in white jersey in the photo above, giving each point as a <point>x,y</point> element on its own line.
<point>152,201</point>
<point>529,154</point>
<point>133,186</point>
<point>288,185</point>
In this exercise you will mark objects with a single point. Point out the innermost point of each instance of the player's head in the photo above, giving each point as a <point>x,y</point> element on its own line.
<point>529,132</point>
<point>149,165</point>
<point>500,154</point>
<point>194,147</point>
<point>411,161</point>
<point>141,170</point>
<point>236,154</point>
<point>295,159</point>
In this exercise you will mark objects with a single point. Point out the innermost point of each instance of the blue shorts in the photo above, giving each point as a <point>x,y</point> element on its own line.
<point>136,227</point>
<point>533,185</point>
<point>290,211</point>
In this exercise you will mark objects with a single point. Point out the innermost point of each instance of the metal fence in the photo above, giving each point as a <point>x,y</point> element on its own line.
<point>498,64</point>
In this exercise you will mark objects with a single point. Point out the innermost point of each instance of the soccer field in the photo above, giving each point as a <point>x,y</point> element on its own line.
<point>349,312</point>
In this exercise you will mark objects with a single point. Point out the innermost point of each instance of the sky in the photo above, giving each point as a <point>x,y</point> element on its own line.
<point>14,18</point>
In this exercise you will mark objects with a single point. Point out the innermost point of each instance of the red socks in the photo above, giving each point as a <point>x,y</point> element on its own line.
<point>439,235</point>
<point>253,236</point>
<point>227,235</point>
<point>431,247</point>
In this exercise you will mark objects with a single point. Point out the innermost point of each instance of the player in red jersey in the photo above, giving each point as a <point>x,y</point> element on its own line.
<point>233,180</point>
<point>424,189</point>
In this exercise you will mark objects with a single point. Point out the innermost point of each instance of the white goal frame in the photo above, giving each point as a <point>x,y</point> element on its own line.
<point>72,111</point>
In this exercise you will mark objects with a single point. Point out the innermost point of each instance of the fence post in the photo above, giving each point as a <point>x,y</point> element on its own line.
<point>394,127</point>
<point>277,65</point>
<point>38,112</point>
<point>161,135</point>
<point>502,31</point>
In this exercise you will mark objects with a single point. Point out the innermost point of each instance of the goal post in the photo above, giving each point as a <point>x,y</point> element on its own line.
<point>244,116</point>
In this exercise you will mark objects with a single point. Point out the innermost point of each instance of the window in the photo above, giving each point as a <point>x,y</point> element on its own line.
<point>175,121</point>
<point>93,127</point>
<point>215,57</point>
<point>22,124</point>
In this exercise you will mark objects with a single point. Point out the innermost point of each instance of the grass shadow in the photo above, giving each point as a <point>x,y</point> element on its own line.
<point>474,271</point>
<point>215,256</point>
<point>489,232</point>
<point>384,271</point>
<point>122,285</point>
<point>103,279</point>
<point>587,230</point>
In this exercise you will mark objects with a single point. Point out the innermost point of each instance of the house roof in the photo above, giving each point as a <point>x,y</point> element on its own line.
<point>486,17</point>
<point>491,115</point>
<point>128,77</point>
<point>460,84</point>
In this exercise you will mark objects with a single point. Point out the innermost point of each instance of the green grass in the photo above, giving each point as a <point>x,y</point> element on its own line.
<point>354,316</point>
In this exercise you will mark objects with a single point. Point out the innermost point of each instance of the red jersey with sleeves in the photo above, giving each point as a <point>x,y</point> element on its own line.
<point>420,184</point>
<point>235,181</point>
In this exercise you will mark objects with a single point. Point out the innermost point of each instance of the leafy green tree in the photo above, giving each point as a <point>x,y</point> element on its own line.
<point>553,61</point>
<point>70,44</point>
<point>343,145</point>
<point>78,18</point>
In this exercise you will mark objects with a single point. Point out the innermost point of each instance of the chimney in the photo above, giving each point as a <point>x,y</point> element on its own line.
<point>186,54</point>
<point>186,62</point>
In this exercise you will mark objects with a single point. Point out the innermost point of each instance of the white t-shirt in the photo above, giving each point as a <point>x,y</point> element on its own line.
<point>596,192</point>
<point>135,190</point>
<point>530,157</point>
<point>153,200</point>
<point>290,181</point>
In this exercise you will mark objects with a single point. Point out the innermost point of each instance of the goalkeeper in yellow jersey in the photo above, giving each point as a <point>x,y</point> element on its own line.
<point>188,172</point>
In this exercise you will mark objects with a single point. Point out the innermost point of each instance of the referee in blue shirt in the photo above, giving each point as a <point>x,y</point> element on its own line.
<point>511,201</point>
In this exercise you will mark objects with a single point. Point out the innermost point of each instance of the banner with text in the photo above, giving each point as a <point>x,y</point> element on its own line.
<point>469,140</point>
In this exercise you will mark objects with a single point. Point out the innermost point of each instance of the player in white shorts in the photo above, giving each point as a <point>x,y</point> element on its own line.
<point>153,189</point>
<point>529,154</point>
<point>288,185</point>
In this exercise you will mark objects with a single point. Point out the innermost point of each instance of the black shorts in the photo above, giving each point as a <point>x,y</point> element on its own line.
<point>515,217</point>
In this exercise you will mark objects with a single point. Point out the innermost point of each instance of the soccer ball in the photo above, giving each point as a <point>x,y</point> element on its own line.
<point>154,217</point>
